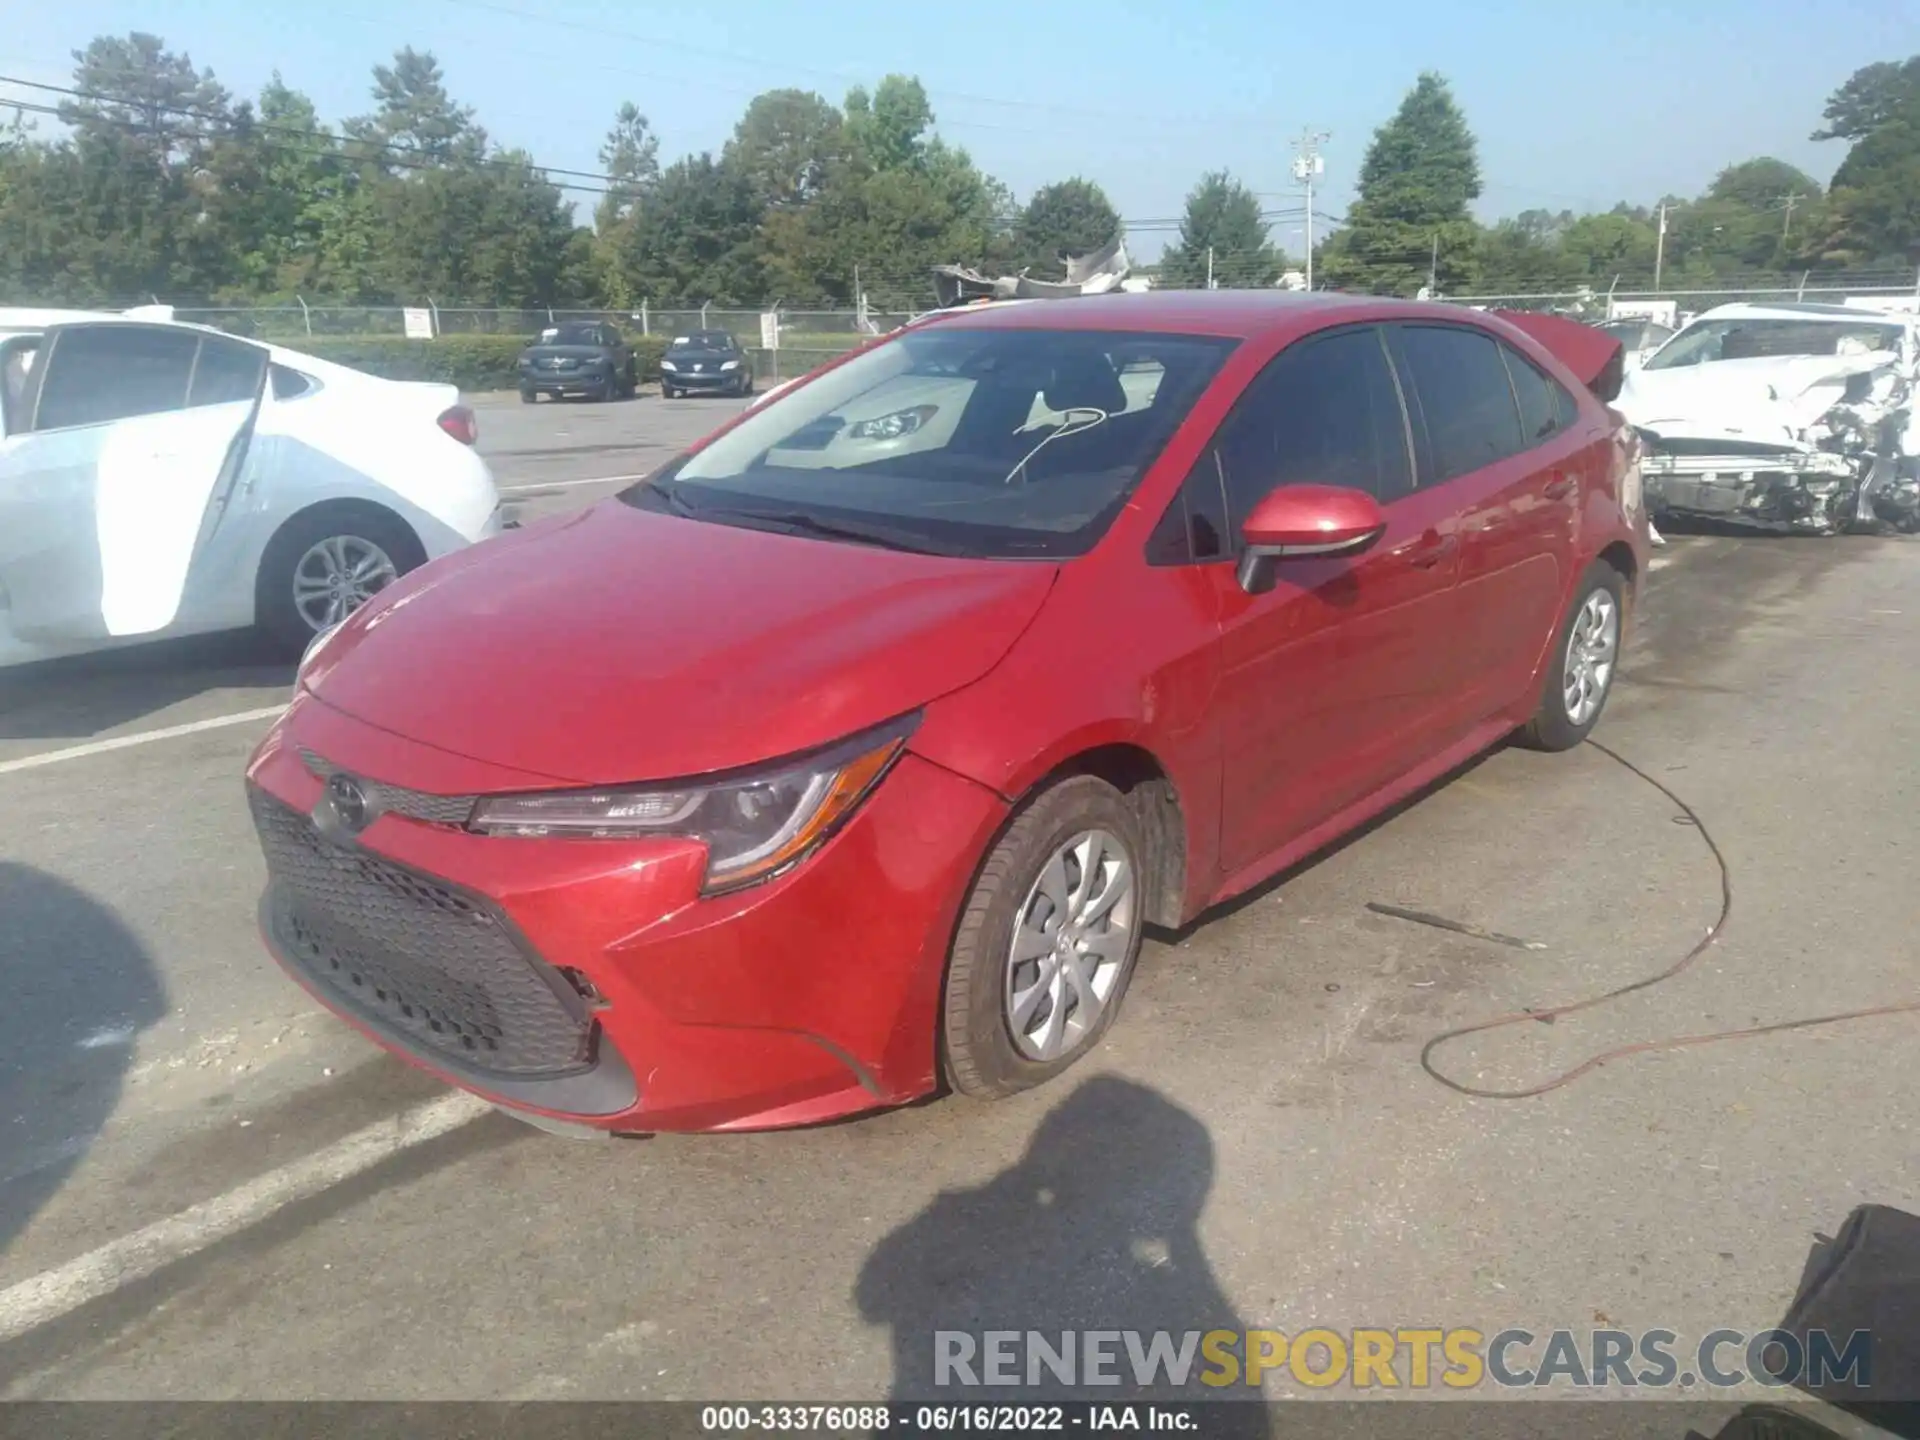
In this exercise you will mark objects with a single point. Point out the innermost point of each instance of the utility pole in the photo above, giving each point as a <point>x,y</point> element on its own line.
<point>1433,268</point>
<point>1660,248</point>
<point>1210,267</point>
<point>1307,166</point>
<point>1786,203</point>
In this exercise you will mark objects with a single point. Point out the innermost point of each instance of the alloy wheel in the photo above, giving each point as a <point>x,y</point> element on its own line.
<point>1071,939</point>
<point>337,576</point>
<point>1593,648</point>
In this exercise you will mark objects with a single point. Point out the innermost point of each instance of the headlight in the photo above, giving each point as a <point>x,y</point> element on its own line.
<point>731,365</point>
<point>754,823</point>
<point>892,427</point>
<point>314,646</point>
<point>669,366</point>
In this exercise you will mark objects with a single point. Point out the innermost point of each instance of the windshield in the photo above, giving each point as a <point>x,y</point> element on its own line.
<point>572,333</point>
<point>1745,338</point>
<point>958,441</point>
<point>703,340</point>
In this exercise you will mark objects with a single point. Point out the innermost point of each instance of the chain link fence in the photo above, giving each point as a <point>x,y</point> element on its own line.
<point>828,332</point>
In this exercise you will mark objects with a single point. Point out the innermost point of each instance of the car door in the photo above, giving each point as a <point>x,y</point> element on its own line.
<point>1513,473</point>
<point>1331,676</point>
<point>116,463</point>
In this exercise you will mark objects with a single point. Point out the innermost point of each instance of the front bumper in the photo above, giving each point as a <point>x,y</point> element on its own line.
<point>567,382</point>
<point>717,380</point>
<point>586,980</point>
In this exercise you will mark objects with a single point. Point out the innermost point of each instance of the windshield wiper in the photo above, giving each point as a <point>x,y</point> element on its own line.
<point>864,532</point>
<point>676,502</point>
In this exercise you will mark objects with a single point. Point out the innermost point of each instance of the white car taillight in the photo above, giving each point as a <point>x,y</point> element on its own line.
<point>462,424</point>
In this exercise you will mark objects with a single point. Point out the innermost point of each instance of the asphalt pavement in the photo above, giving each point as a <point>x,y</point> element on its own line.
<point>209,1189</point>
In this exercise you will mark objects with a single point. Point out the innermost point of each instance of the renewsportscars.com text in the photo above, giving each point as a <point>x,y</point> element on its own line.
<point>1399,1358</point>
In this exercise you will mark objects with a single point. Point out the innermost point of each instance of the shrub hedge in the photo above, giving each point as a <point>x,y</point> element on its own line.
<point>473,362</point>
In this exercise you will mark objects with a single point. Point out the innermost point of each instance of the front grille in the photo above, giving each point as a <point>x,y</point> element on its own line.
<point>393,800</point>
<point>437,968</point>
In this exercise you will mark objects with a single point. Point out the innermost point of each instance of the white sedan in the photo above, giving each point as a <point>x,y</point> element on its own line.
<point>162,479</point>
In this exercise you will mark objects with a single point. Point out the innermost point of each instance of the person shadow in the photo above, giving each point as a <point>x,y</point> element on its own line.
<point>78,989</point>
<point>1095,1228</point>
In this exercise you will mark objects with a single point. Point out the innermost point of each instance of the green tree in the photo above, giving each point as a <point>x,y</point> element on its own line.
<point>487,234</point>
<point>898,202</point>
<point>630,156</point>
<point>1412,216</point>
<point>415,121</point>
<point>785,145</point>
<point>1070,218</point>
<point>1873,211</point>
<point>887,130</point>
<point>1601,248</point>
<point>280,179</point>
<point>694,240</point>
<point>134,90</point>
<point>1222,222</point>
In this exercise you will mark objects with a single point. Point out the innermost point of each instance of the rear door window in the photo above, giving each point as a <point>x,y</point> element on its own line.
<point>227,370</point>
<point>1545,407</point>
<point>100,373</point>
<point>1466,399</point>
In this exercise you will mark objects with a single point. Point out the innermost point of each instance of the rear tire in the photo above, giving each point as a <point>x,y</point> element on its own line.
<point>1047,942</point>
<point>1584,664</point>
<point>305,549</point>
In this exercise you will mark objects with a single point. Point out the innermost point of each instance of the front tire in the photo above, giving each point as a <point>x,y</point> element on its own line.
<point>527,397</point>
<point>323,565</point>
<point>1586,658</point>
<point>1047,942</point>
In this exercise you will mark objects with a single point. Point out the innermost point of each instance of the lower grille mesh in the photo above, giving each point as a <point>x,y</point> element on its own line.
<point>434,967</point>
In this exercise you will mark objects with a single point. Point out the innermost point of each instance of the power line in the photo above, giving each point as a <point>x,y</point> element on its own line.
<point>655,42</point>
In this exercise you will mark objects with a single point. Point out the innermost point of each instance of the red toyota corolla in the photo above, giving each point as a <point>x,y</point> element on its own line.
<point>854,749</point>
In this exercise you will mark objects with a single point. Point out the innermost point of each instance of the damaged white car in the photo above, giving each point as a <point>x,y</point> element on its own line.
<point>1793,417</point>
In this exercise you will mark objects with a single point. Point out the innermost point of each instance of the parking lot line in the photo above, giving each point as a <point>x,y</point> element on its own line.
<point>567,484</point>
<point>144,737</point>
<point>46,1297</point>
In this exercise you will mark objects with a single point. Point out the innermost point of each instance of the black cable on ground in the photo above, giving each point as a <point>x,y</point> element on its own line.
<point>1690,816</point>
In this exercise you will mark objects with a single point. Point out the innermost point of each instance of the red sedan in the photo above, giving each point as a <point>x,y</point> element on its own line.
<point>853,751</point>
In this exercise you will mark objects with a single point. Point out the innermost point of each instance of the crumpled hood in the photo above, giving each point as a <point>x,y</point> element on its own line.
<point>1773,398</point>
<point>622,645</point>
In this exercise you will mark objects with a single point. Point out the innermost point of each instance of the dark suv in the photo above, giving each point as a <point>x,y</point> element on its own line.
<point>708,362</point>
<point>579,357</point>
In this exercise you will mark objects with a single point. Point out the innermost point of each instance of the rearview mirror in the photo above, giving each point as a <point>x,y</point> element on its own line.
<point>1298,521</point>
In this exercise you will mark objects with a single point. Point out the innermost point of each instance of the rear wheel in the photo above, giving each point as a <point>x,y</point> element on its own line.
<point>1047,942</point>
<point>324,565</point>
<point>1585,661</point>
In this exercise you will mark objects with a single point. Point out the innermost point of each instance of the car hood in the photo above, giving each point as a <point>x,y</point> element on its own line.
<point>622,645</point>
<point>1759,398</point>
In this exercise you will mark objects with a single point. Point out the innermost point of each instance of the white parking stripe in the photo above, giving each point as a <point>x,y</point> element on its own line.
<point>144,737</point>
<point>567,484</point>
<point>60,1291</point>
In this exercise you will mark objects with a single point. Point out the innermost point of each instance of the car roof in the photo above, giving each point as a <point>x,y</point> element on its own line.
<point>1802,310</point>
<point>21,321</point>
<point>1237,314</point>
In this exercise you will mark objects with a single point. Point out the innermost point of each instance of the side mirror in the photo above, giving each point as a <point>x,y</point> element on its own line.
<point>1297,521</point>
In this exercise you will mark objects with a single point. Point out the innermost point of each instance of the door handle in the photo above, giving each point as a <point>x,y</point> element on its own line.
<point>1429,550</point>
<point>1559,487</point>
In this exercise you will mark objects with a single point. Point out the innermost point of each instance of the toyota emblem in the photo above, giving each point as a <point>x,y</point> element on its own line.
<point>349,801</point>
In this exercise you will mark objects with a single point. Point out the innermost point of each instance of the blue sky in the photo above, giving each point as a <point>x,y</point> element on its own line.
<point>1575,106</point>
